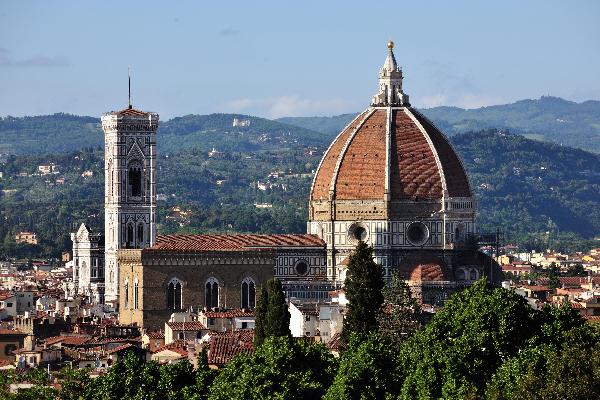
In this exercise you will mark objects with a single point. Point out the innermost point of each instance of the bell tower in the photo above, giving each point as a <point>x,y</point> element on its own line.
<point>130,186</point>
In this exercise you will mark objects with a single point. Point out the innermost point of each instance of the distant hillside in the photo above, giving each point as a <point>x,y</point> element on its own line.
<point>216,130</point>
<point>61,133</point>
<point>49,134</point>
<point>549,119</point>
<point>525,187</point>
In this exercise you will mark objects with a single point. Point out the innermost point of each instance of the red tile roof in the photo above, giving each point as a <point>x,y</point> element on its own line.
<point>223,348</point>
<point>187,326</point>
<point>361,173</point>
<point>155,335</point>
<point>228,314</point>
<point>244,335</point>
<point>537,288</point>
<point>130,112</point>
<point>191,242</point>
<point>578,280</point>
<point>457,182</point>
<point>325,172</point>
<point>119,348</point>
<point>75,340</point>
<point>178,346</point>
<point>336,343</point>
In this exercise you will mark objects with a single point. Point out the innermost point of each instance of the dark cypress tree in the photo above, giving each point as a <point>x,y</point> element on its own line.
<point>272,317</point>
<point>400,316</point>
<point>363,285</point>
<point>278,315</point>
<point>260,316</point>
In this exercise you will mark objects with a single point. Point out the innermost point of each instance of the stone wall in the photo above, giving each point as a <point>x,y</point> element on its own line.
<point>154,270</point>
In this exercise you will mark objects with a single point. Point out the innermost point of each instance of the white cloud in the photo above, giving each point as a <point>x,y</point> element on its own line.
<point>6,60</point>
<point>290,106</point>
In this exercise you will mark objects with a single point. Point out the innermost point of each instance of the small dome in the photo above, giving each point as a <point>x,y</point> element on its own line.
<point>423,268</point>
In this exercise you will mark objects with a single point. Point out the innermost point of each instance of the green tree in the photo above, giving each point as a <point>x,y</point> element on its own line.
<point>272,314</point>
<point>457,352</point>
<point>400,315</point>
<point>260,312</point>
<point>367,371</point>
<point>282,368</point>
<point>568,372</point>
<point>174,378</point>
<point>203,380</point>
<point>73,382</point>
<point>363,285</point>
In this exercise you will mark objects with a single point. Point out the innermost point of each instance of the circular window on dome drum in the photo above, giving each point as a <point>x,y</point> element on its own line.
<point>417,233</point>
<point>301,267</point>
<point>358,232</point>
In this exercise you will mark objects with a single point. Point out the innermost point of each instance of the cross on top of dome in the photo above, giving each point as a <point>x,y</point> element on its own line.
<point>390,83</point>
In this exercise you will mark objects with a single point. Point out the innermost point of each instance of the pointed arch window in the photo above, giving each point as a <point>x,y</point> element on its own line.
<point>174,294</point>
<point>248,293</point>
<point>140,234</point>
<point>130,239</point>
<point>134,176</point>
<point>135,295</point>
<point>211,293</point>
<point>126,295</point>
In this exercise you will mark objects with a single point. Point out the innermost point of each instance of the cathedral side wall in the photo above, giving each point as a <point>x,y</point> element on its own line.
<point>154,272</point>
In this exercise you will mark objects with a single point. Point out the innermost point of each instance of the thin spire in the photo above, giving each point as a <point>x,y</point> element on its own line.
<point>129,76</point>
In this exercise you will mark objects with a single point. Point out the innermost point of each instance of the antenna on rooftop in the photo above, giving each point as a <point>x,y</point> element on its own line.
<point>129,76</point>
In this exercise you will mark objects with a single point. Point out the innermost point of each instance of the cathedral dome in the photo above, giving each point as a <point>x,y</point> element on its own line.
<point>390,152</point>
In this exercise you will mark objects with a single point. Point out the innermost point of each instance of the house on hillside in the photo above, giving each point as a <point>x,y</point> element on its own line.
<point>26,237</point>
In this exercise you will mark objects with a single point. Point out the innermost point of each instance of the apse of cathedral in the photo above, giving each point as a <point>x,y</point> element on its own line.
<point>390,179</point>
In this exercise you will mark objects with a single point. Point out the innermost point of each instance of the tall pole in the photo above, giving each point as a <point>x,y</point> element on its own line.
<point>129,78</point>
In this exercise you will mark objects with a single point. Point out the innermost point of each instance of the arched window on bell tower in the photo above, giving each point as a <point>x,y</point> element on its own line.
<point>140,234</point>
<point>134,180</point>
<point>130,240</point>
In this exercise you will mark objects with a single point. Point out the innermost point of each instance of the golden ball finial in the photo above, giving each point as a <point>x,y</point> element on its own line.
<point>390,45</point>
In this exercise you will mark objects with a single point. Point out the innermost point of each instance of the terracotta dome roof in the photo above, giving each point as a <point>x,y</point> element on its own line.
<point>424,268</point>
<point>421,163</point>
<point>390,152</point>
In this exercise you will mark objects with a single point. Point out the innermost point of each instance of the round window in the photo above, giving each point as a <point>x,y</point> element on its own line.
<point>417,233</point>
<point>301,268</point>
<point>360,233</point>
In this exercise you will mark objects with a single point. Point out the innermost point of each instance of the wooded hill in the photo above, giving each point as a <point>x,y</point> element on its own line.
<point>537,193</point>
<point>60,133</point>
<point>550,119</point>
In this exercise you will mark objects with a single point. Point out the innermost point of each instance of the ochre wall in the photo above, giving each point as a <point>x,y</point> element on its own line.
<point>154,270</point>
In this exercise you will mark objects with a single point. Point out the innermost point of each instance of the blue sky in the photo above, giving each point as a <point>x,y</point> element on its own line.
<point>285,58</point>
